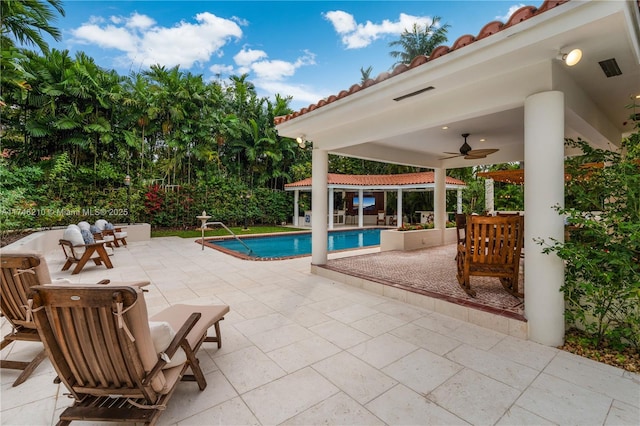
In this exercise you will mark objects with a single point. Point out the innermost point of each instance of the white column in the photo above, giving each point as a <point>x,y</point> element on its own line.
<point>440,199</point>
<point>544,189</point>
<point>320,167</point>
<point>399,208</point>
<point>296,206</point>
<point>360,208</point>
<point>459,204</point>
<point>489,196</point>
<point>330,208</point>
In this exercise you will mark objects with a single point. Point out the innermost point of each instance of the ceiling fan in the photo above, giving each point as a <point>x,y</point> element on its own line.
<point>468,153</point>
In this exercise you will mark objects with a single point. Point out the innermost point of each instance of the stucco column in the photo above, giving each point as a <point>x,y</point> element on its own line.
<point>440,199</point>
<point>544,189</point>
<point>319,186</point>
<point>459,201</point>
<point>399,214</point>
<point>296,206</point>
<point>360,208</point>
<point>489,196</point>
<point>330,208</point>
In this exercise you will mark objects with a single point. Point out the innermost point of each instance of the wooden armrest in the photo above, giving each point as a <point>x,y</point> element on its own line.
<point>103,282</point>
<point>179,340</point>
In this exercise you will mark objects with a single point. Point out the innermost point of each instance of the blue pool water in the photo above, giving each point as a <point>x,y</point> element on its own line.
<point>288,245</point>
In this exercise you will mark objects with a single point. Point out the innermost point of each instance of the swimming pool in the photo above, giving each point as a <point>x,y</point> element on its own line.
<point>294,245</point>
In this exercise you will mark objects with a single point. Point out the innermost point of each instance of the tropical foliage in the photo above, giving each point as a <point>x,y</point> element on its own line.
<point>602,247</point>
<point>420,40</point>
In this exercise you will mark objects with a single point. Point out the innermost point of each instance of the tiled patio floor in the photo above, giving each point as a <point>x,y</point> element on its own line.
<point>303,349</point>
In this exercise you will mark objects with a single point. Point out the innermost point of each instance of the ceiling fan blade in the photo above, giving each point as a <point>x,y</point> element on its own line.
<point>481,152</point>
<point>453,156</point>
<point>474,157</point>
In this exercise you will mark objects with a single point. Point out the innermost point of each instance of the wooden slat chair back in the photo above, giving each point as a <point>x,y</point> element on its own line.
<point>99,342</point>
<point>381,220</point>
<point>492,248</point>
<point>20,272</point>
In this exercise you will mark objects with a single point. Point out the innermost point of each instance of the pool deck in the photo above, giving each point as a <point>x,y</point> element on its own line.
<point>303,349</point>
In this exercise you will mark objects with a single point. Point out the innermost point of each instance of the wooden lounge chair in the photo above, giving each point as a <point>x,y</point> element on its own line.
<point>114,236</point>
<point>100,344</point>
<point>81,254</point>
<point>20,272</point>
<point>492,248</point>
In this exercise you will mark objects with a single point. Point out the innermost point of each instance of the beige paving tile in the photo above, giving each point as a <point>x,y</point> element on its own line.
<point>622,414</point>
<point>427,339</point>
<point>231,412</point>
<point>352,313</point>
<point>340,334</point>
<point>524,352</point>
<point>477,336</point>
<point>307,317</point>
<point>402,406</point>
<point>303,353</point>
<point>607,381</point>
<point>40,412</point>
<point>474,397</point>
<point>248,368</point>
<point>519,416</point>
<point>252,309</point>
<point>378,324</point>
<point>382,350</point>
<point>439,323</point>
<point>262,324</point>
<point>401,311</point>
<point>284,398</point>
<point>354,377</point>
<point>277,338</point>
<point>508,372</point>
<point>563,402</point>
<point>339,409</point>
<point>36,388</point>
<point>422,370</point>
<point>189,400</point>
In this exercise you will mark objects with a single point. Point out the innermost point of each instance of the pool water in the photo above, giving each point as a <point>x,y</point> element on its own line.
<point>291,245</point>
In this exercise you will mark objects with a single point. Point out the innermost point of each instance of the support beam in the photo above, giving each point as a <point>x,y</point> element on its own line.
<point>399,208</point>
<point>296,207</point>
<point>319,186</point>
<point>544,189</point>
<point>360,208</point>
<point>440,199</point>
<point>459,202</point>
<point>331,208</point>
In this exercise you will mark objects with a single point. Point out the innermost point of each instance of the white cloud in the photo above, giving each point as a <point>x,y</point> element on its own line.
<point>146,43</point>
<point>140,21</point>
<point>247,56</point>
<point>276,70</point>
<point>512,9</point>
<point>221,69</point>
<point>302,94</point>
<point>343,22</point>
<point>355,35</point>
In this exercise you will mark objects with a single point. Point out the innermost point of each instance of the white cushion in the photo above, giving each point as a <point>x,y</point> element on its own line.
<point>162,334</point>
<point>84,225</point>
<point>73,234</point>
<point>121,235</point>
<point>101,223</point>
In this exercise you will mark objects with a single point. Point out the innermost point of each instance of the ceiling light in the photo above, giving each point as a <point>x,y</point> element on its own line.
<point>300,139</point>
<point>571,58</point>
<point>482,140</point>
<point>445,127</point>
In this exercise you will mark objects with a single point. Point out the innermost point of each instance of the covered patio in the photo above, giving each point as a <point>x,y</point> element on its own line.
<point>362,184</point>
<point>509,88</point>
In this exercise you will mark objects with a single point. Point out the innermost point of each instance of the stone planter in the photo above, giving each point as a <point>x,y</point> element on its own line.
<point>411,240</point>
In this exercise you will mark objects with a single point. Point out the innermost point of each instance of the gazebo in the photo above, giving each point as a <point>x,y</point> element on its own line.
<point>360,184</point>
<point>511,88</point>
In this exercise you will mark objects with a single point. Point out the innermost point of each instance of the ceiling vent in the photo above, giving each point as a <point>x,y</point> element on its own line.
<point>610,67</point>
<point>417,92</point>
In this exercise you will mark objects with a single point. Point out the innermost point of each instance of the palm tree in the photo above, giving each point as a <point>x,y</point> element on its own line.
<point>26,20</point>
<point>419,41</point>
<point>366,73</point>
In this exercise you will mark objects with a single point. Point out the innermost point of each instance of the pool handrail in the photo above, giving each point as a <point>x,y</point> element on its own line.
<point>204,226</point>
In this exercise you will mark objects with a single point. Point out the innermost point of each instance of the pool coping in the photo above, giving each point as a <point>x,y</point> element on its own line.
<point>275,234</point>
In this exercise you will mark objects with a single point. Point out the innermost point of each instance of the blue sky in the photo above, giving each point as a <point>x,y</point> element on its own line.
<point>307,49</point>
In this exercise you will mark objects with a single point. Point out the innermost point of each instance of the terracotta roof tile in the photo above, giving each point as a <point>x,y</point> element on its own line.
<point>489,29</point>
<point>378,180</point>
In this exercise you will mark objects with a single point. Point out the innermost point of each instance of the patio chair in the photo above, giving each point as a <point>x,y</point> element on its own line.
<point>492,248</point>
<point>116,235</point>
<point>20,272</point>
<point>103,349</point>
<point>381,220</point>
<point>77,251</point>
<point>393,220</point>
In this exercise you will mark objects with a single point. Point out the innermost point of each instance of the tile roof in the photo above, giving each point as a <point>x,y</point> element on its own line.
<point>378,180</point>
<point>489,29</point>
